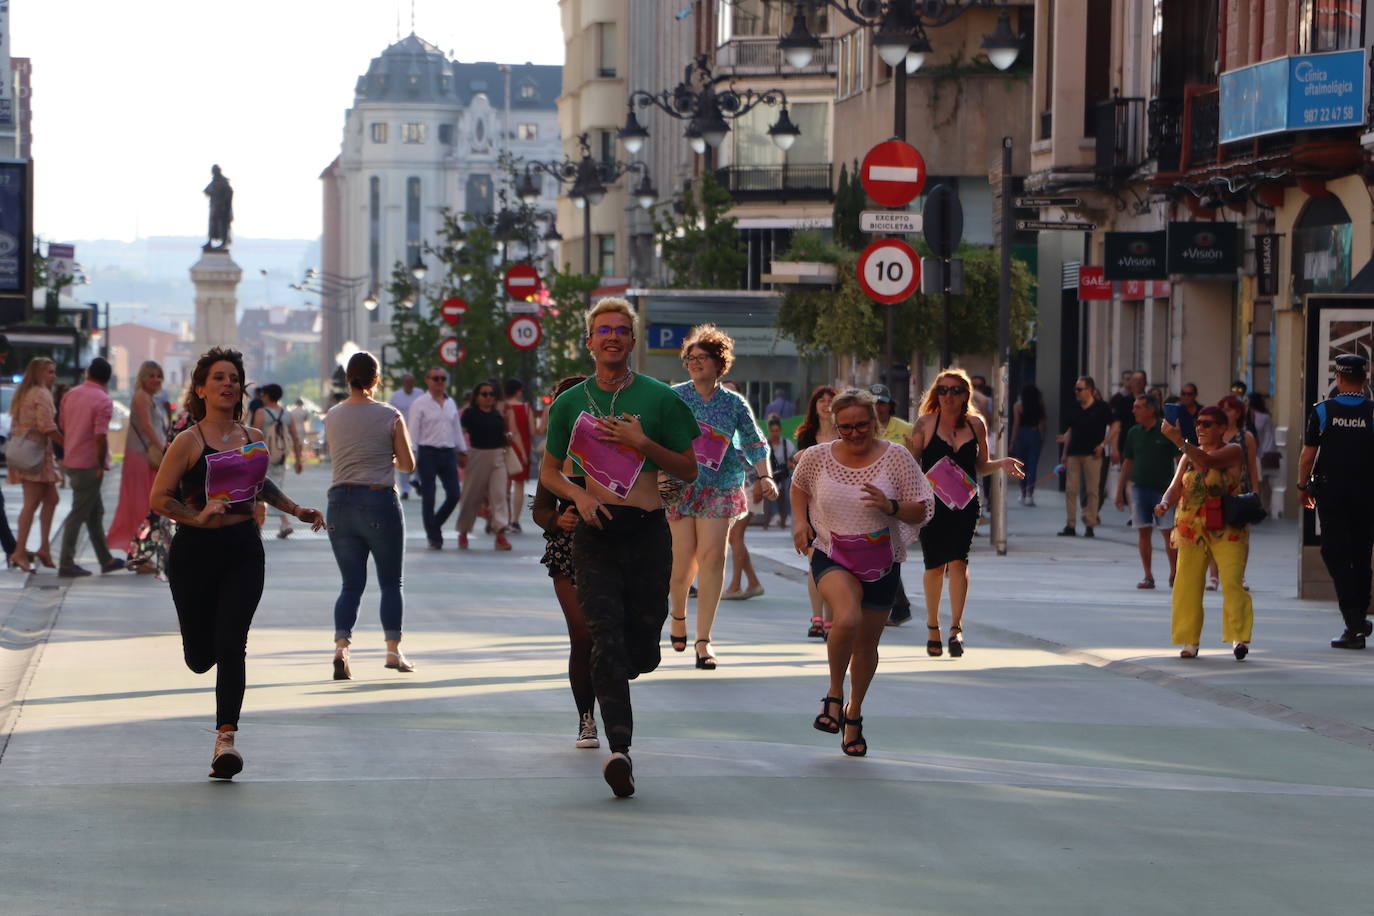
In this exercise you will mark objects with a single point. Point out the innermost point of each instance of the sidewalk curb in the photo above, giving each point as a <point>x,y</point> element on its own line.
<point>24,633</point>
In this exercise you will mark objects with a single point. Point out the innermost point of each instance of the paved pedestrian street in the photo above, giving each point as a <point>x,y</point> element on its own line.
<point>1069,763</point>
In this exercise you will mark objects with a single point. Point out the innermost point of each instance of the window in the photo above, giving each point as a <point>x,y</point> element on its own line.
<point>605,35</point>
<point>528,92</point>
<point>763,19</point>
<point>605,255</point>
<point>1329,25</point>
<point>754,148</point>
<point>446,134</point>
<point>379,132</point>
<point>606,143</point>
<point>374,230</point>
<point>527,131</point>
<point>412,220</point>
<point>842,68</point>
<point>413,132</point>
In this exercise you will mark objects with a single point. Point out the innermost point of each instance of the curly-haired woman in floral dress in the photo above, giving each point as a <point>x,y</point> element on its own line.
<point>1208,471</point>
<point>702,512</point>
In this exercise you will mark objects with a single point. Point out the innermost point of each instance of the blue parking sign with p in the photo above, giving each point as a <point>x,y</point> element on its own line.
<point>667,338</point>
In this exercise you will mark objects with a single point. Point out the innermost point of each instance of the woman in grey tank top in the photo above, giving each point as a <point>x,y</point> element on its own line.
<point>368,442</point>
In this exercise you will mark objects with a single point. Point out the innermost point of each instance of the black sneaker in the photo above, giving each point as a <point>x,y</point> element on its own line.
<point>619,774</point>
<point>1068,532</point>
<point>1367,628</point>
<point>1088,531</point>
<point>1348,640</point>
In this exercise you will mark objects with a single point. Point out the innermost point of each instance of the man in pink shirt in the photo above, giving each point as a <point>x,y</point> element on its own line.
<point>85,421</point>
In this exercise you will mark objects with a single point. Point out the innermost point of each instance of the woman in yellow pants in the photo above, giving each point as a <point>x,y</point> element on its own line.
<point>1207,471</point>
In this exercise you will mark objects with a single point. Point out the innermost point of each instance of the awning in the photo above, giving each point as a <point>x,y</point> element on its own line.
<point>1362,282</point>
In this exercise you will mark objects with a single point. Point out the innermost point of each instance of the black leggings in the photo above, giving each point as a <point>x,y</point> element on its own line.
<point>622,585</point>
<point>216,578</point>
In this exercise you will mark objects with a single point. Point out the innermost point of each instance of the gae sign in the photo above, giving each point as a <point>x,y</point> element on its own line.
<point>453,309</point>
<point>893,173</point>
<point>524,332</point>
<point>889,271</point>
<point>451,351</point>
<point>522,281</point>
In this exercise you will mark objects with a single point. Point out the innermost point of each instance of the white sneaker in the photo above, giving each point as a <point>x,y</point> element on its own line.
<point>226,760</point>
<point>619,774</point>
<point>586,732</point>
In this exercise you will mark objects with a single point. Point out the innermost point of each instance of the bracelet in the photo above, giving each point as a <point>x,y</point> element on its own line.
<point>896,507</point>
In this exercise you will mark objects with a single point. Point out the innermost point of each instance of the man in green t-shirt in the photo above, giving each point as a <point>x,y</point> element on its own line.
<point>1148,464</point>
<point>620,428</point>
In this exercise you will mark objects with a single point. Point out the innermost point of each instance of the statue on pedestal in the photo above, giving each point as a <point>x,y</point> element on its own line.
<point>221,210</point>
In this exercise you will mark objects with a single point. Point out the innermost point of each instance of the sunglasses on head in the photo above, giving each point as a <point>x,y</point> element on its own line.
<point>949,389</point>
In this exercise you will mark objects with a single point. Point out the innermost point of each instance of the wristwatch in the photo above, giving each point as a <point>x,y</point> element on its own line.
<point>1300,485</point>
<point>896,507</point>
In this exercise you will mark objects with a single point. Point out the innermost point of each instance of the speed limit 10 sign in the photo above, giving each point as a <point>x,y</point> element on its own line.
<point>524,332</point>
<point>889,271</point>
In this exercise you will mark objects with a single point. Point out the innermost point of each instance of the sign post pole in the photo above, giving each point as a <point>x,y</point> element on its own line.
<point>1001,412</point>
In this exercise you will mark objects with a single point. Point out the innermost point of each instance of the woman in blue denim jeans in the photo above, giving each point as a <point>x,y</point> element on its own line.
<point>368,443</point>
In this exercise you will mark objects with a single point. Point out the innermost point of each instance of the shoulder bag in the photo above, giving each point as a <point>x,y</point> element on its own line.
<point>1246,508</point>
<point>25,454</point>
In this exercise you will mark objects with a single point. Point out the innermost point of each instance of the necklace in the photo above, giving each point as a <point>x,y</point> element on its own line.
<point>591,403</point>
<point>225,436</point>
<point>618,380</point>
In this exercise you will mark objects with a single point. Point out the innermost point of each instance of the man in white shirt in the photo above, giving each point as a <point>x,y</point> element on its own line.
<point>433,419</point>
<point>402,400</point>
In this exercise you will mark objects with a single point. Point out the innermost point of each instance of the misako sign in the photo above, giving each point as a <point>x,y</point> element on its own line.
<point>1204,248</point>
<point>1135,256</point>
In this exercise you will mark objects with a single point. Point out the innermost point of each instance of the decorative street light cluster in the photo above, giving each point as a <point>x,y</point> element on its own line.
<point>325,284</point>
<point>900,29</point>
<point>705,108</point>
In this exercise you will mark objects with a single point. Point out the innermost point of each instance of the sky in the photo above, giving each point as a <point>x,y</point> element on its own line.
<point>134,100</point>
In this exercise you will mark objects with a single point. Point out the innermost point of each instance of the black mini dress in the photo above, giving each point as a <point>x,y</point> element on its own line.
<point>949,535</point>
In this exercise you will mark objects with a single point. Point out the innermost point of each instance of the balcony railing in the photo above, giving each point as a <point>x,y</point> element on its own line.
<point>1204,127</point>
<point>1183,131</point>
<point>1119,129</point>
<point>777,182</point>
<point>761,57</point>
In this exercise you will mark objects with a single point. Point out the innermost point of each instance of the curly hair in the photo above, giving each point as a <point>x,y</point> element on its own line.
<point>717,344</point>
<point>195,404</point>
<point>930,402</point>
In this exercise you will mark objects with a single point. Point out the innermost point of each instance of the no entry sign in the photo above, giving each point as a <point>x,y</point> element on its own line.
<point>889,271</point>
<point>893,173</point>
<point>522,281</point>
<point>524,332</point>
<point>453,309</point>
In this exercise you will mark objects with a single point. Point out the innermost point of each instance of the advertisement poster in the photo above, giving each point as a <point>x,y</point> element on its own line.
<point>14,202</point>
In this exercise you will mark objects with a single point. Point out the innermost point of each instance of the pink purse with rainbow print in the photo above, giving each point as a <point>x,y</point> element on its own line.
<point>867,556</point>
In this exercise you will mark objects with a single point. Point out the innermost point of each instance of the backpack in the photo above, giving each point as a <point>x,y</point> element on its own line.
<point>276,435</point>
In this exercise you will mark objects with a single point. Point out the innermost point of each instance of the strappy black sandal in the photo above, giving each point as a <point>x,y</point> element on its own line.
<point>825,722</point>
<point>679,642</point>
<point>956,642</point>
<point>934,647</point>
<point>858,742</point>
<point>705,662</point>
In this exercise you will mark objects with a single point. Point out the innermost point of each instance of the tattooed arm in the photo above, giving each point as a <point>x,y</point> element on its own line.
<point>274,497</point>
<point>181,455</point>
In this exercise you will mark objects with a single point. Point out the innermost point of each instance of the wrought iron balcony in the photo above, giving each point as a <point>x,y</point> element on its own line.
<point>763,57</point>
<point>1119,129</point>
<point>1164,124</point>
<point>1204,127</point>
<point>778,182</point>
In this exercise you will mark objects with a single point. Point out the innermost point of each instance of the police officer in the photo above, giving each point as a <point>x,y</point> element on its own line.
<point>1339,442</point>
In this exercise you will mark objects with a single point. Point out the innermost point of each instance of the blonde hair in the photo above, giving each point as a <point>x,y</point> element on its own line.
<point>145,370</point>
<point>30,380</point>
<point>854,397</point>
<point>612,304</point>
<point>930,403</point>
<point>717,344</point>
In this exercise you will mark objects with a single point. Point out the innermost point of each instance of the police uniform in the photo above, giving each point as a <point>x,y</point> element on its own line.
<point>1343,428</point>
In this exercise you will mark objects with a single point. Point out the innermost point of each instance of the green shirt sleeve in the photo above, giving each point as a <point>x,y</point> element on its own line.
<point>679,426</point>
<point>563,414</point>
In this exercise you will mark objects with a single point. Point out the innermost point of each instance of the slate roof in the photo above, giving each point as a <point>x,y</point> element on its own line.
<point>413,70</point>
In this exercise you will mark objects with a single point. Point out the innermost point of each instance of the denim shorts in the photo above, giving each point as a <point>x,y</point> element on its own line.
<point>1143,502</point>
<point>876,596</point>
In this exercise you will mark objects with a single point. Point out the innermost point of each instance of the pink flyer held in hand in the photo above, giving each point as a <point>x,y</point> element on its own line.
<point>710,446</point>
<point>610,464</point>
<point>867,556</point>
<point>236,474</point>
<point>952,483</point>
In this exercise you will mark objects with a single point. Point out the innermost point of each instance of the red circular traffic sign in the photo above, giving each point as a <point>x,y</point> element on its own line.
<point>453,309</point>
<point>888,270</point>
<point>451,352</point>
<point>522,281</point>
<point>524,332</point>
<point>893,173</point>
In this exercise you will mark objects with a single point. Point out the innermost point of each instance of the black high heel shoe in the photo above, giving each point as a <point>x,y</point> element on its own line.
<point>857,746</point>
<point>706,662</point>
<point>956,642</point>
<point>679,643</point>
<point>825,722</point>
<point>934,647</point>
<point>341,670</point>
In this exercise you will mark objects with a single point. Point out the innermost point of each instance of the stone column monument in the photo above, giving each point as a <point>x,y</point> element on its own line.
<point>215,275</point>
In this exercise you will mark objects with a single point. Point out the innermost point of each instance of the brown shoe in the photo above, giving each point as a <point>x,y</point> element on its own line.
<point>226,760</point>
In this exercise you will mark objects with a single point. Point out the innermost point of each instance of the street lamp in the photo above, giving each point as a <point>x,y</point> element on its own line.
<point>332,286</point>
<point>705,108</point>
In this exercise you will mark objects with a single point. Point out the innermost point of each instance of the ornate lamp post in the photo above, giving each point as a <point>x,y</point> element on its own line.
<point>332,286</point>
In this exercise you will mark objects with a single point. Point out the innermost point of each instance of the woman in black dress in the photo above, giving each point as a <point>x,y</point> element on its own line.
<point>950,428</point>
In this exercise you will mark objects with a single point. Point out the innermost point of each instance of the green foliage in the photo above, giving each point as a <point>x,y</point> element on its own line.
<point>563,351</point>
<point>701,247</point>
<point>850,201</point>
<point>812,245</point>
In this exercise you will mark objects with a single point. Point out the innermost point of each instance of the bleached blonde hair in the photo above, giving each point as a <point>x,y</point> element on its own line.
<point>612,304</point>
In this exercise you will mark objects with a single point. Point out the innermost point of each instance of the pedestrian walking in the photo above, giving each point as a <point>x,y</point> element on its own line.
<point>701,512</point>
<point>1148,467</point>
<point>368,444</point>
<point>143,448</point>
<point>283,445</point>
<point>520,423</point>
<point>441,450</point>
<point>558,517</point>
<point>1207,472</point>
<point>744,579</point>
<point>85,422</point>
<point>216,566</point>
<point>8,543</point>
<point>487,479</point>
<point>859,502</point>
<point>951,439</point>
<point>1028,420</point>
<point>32,417</point>
<point>1333,477</point>
<point>620,427</point>
<point>1088,426</point>
<point>401,399</point>
<point>782,455</point>
<point>817,428</point>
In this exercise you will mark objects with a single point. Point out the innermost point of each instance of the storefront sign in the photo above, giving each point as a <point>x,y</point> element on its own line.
<point>14,221</point>
<point>1307,92</point>
<point>1202,248</point>
<point>667,338</point>
<point>1142,289</point>
<point>1135,256</point>
<point>1266,265</point>
<point>1092,284</point>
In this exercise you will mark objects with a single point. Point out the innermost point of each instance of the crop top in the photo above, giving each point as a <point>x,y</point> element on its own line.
<point>234,475</point>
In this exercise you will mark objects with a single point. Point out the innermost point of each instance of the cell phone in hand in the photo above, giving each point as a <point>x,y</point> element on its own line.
<point>1179,417</point>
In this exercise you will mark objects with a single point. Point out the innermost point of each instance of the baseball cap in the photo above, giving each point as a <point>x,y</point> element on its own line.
<point>881,393</point>
<point>1351,364</point>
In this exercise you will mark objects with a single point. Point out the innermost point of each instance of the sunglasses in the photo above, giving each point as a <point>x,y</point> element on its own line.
<point>486,394</point>
<point>949,389</point>
<point>437,378</point>
<point>1204,424</point>
<point>861,427</point>
<point>606,330</point>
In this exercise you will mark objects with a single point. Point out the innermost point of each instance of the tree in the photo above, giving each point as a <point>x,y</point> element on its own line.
<point>563,350</point>
<point>850,201</point>
<point>700,244</point>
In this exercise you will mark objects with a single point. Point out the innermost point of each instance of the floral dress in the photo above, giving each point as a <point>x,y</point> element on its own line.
<point>1190,525</point>
<point>719,492</point>
<point>36,418</point>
